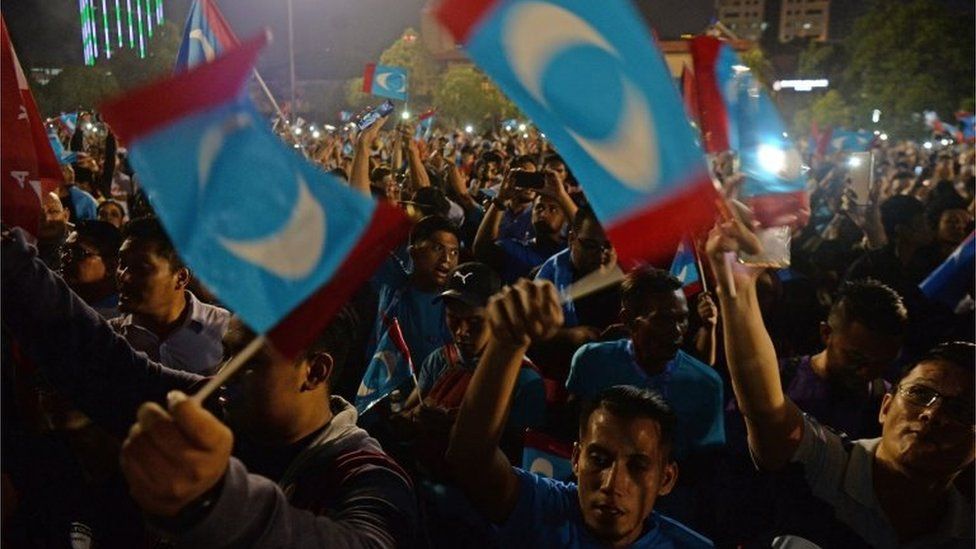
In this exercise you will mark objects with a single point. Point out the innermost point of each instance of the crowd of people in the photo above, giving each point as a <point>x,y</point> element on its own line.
<point>830,400</point>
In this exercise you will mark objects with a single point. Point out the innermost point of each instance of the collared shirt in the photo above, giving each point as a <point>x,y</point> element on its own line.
<point>692,389</point>
<point>196,346</point>
<point>547,514</point>
<point>845,480</point>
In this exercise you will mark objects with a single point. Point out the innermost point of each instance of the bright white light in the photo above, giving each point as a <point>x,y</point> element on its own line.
<point>945,142</point>
<point>525,136</point>
<point>316,134</point>
<point>469,128</point>
<point>854,161</point>
<point>297,130</point>
<point>329,128</point>
<point>311,127</point>
<point>875,116</point>
<point>88,126</point>
<point>740,68</point>
<point>786,135</point>
<point>509,128</point>
<point>927,144</point>
<point>877,132</point>
<point>800,85</point>
<point>883,137</point>
<point>771,158</point>
<point>405,115</point>
<point>522,127</point>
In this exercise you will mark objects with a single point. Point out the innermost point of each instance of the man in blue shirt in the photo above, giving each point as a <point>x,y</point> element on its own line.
<point>409,295</point>
<point>622,458</point>
<point>655,312</point>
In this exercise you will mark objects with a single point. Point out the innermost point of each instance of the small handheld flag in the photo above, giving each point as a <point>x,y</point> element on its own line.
<point>588,74</point>
<point>685,268</point>
<point>546,456</point>
<point>385,81</point>
<point>389,368</point>
<point>205,36</point>
<point>953,279</point>
<point>280,242</point>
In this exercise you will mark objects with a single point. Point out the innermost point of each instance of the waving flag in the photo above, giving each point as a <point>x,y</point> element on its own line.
<point>426,119</point>
<point>588,75</point>
<point>950,282</point>
<point>685,268</point>
<point>27,163</point>
<point>385,81</point>
<point>967,125</point>
<point>63,156</point>
<point>774,184</point>
<point>280,242</point>
<point>69,121</point>
<point>205,36</point>
<point>850,141</point>
<point>389,368</point>
<point>689,93</point>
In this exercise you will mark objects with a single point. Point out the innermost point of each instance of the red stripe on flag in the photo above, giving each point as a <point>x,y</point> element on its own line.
<point>221,29</point>
<point>388,228</point>
<point>427,114</point>
<point>368,77</point>
<point>776,210</point>
<point>161,103</point>
<point>713,117</point>
<point>460,17</point>
<point>653,233</point>
<point>689,93</point>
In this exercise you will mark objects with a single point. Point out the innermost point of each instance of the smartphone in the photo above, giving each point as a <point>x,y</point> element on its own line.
<point>372,115</point>
<point>528,180</point>
<point>860,173</point>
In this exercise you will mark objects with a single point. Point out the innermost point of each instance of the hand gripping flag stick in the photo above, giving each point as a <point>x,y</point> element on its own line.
<point>229,369</point>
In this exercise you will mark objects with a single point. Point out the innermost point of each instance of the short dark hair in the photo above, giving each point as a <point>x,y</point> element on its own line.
<point>871,303</point>
<point>431,201</point>
<point>961,354</point>
<point>379,173</point>
<point>151,230</point>
<point>103,235</point>
<point>583,215</point>
<point>644,281</point>
<point>338,172</point>
<point>523,159</point>
<point>110,203</point>
<point>898,211</point>
<point>426,227</point>
<point>630,402</point>
<point>553,158</point>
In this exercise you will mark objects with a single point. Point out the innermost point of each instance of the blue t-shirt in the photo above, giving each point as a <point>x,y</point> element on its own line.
<point>517,226</point>
<point>523,256</point>
<point>692,388</point>
<point>558,269</point>
<point>547,514</point>
<point>421,315</point>
<point>85,206</point>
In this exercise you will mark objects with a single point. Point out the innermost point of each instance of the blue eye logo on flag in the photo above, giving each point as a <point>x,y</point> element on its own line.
<point>205,36</point>
<point>589,76</point>
<point>385,81</point>
<point>389,368</point>
<point>279,241</point>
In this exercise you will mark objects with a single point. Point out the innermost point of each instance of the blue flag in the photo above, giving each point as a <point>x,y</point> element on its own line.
<point>205,36</point>
<point>69,120</point>
<point>685,268</point>
<point>63,156</point>
<point>263,228</point>
<point>589,75</point>
<point>385,81</point>
<point>850,141</point>
<point>951,281</point>
<point>389,368</point>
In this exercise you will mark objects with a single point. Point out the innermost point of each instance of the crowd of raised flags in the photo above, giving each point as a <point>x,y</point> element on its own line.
<point>286,240</point>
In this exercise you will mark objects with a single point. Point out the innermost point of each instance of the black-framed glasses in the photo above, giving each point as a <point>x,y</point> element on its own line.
<point>923,396</point>
<point>77,251</point>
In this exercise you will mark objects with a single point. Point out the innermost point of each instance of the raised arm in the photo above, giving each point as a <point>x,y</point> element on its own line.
<point>74,347</point>
<point>774,423</point>
<point>359,178</point>
<point>520,313</point>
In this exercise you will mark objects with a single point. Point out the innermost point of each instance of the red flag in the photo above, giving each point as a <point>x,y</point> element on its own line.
<point>689,92</point>
<point>368,77</point>
<point>27,161</point>
<point>713,117</point>
<point>821,139</point>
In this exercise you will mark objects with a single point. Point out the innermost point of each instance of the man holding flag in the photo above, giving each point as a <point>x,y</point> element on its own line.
<point>303,473</point>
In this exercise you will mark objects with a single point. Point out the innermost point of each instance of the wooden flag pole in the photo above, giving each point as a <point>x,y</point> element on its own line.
<point>229,369</point>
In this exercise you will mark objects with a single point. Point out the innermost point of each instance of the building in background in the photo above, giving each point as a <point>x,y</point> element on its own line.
<point>745,18</point>
<point>804,19</point>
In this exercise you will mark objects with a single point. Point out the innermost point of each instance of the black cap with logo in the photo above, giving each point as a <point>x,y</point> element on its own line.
<point>473,283</point>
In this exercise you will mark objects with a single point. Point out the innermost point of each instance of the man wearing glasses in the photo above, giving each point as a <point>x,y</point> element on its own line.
<point>894,491</point>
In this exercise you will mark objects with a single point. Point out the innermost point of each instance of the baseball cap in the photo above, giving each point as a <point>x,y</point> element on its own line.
<point>473,283</point>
